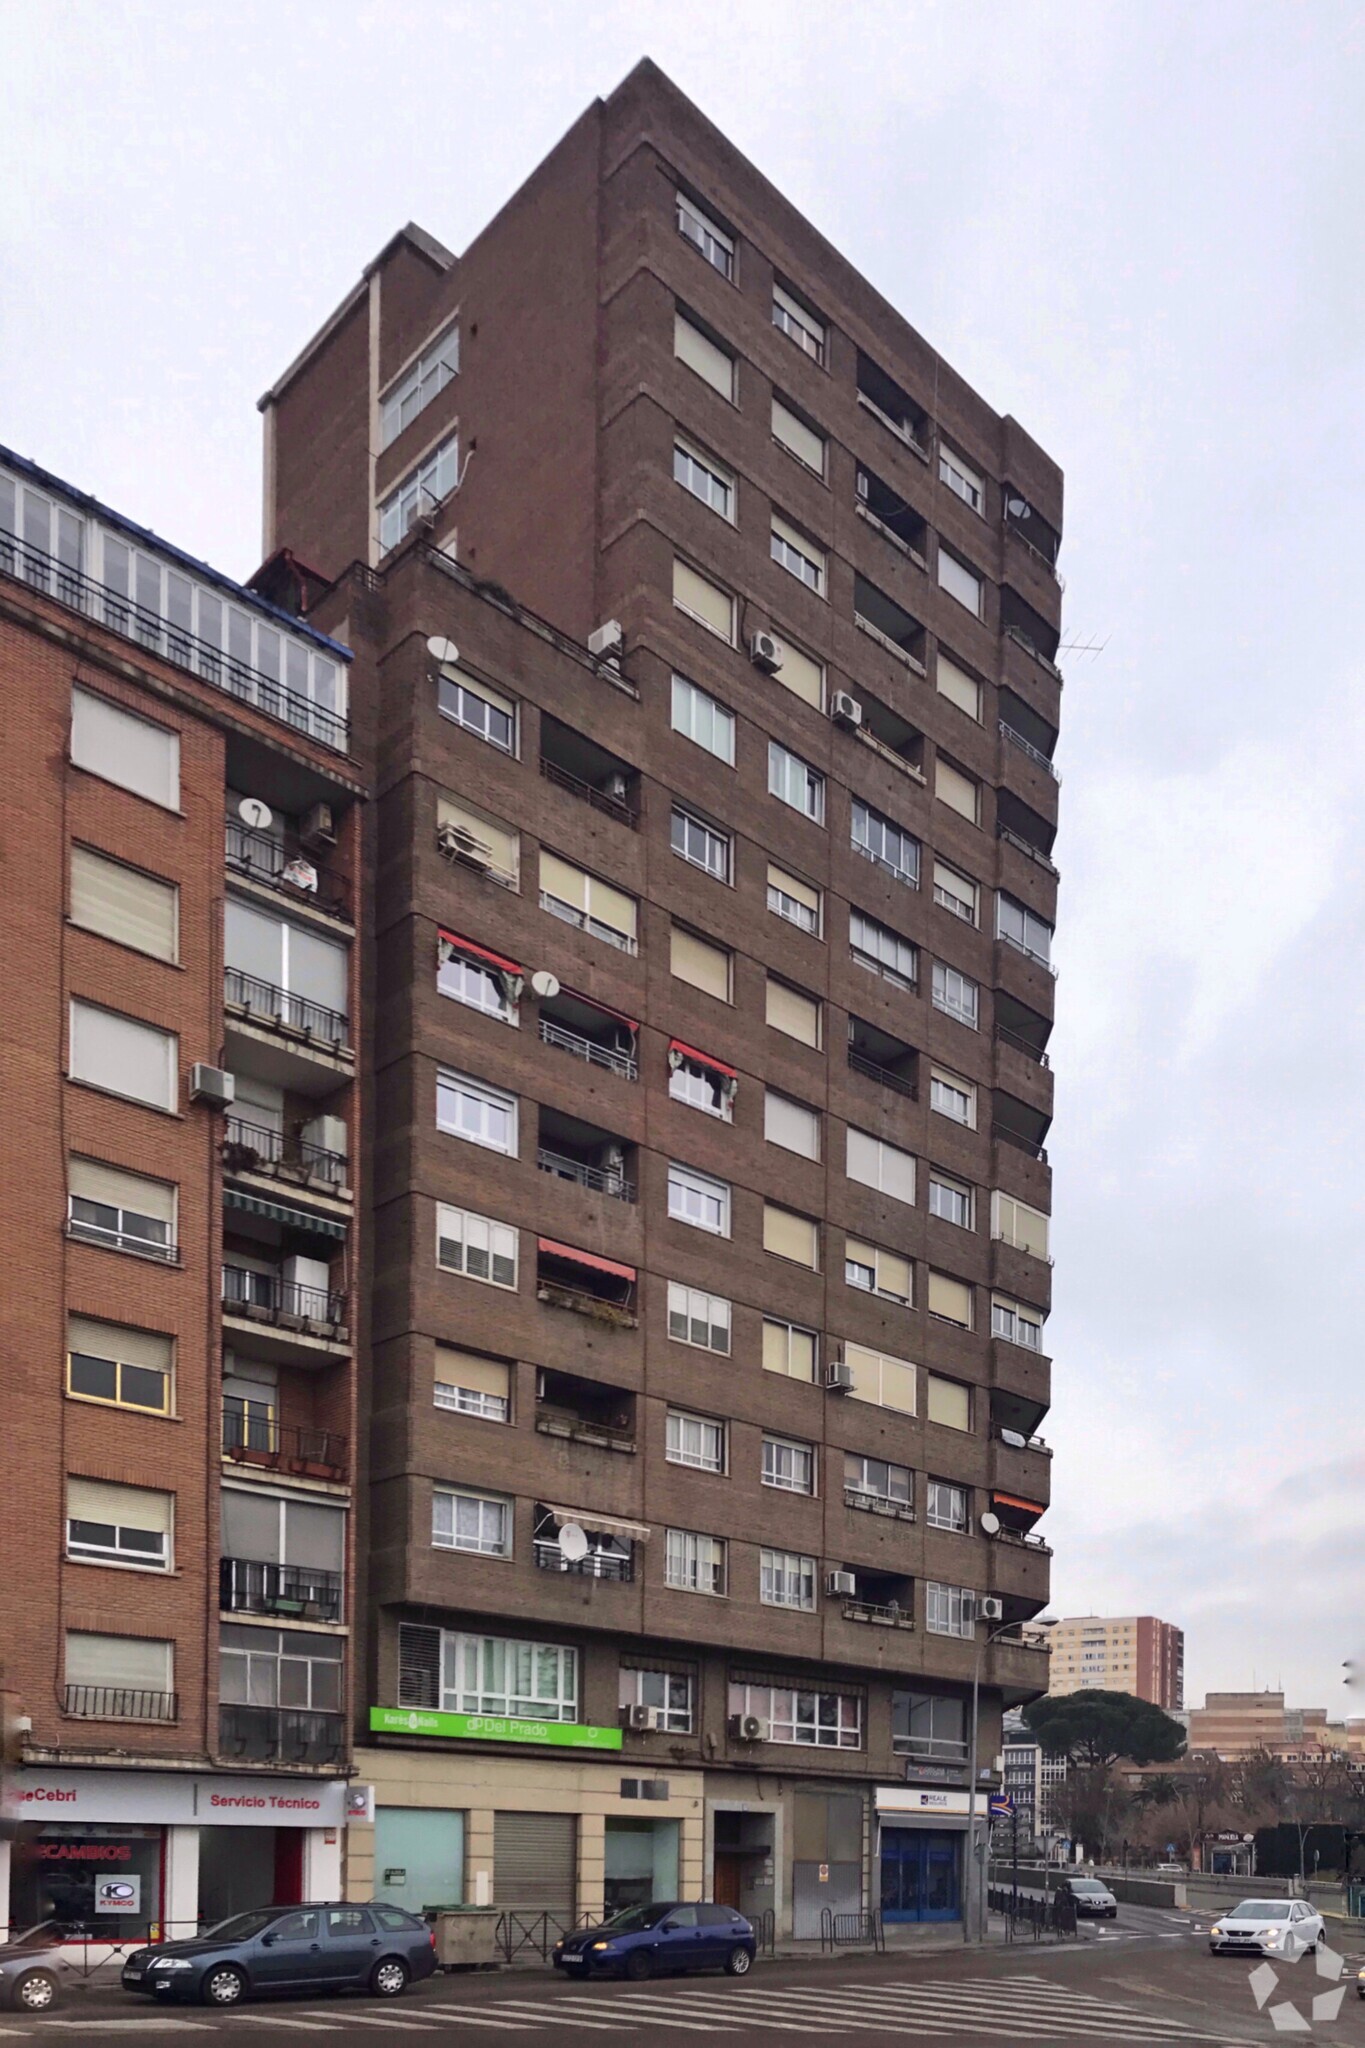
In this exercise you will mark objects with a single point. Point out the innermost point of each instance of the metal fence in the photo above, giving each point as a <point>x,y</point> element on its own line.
<point>850,1930</point>
<point>1034,1916</point>
<point>533,1934</point>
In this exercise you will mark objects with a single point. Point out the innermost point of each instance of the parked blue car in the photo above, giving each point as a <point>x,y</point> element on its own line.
<point>305,1949</point>
<point>648,1940</point>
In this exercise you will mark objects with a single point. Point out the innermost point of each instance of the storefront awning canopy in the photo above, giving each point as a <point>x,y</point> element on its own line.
<point>601,1525</point>
<point>287,1218</point>
<point>599,1265</point>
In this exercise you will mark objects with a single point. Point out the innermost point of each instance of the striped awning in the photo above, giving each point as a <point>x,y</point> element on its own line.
<point>288,1218</point>
<point>600,1525</point>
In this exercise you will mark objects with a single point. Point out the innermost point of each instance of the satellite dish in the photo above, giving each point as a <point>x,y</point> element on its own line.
<point>442,650</point>
<point>544,985</point>
<point>573,1544</point>
<point>254,813</point>
<point>1014,1438</point>
<point>988,1524</point>
<point>1018,508</point>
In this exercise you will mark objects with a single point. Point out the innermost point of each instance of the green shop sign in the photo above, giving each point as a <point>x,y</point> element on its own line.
<point>490,1728</point>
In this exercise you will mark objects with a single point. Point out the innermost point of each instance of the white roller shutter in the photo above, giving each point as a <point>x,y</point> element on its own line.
<point>535,1861</point>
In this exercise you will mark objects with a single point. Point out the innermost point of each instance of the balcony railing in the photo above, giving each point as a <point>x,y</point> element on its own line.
<point>612,806</point>
<point>281,1006</point>
<point>284,1447</point>
<point>865,625</point>
<point>119,1703</point>
<point>861,1065</point>
<point>582,1301</point>
<point>269,1298</point>
<point>1016,1138</point>
<point>1032,1443</point>
<point>933,1748</point>
<point>582,1429</point>
<point>1027,848</point>
<point>1021,639</point>
<point>255,1148</point>
<point>1035,754</point>
<point>877,1504</point>
<point>597,1564</point>
<point>571,914</point>
<point>289,1735</point>
<point>587,1049</point>
<point>263,859</point>
<point>1030,1051</point>
<point>888,1616</point>
<point>603,1180</point>
<point>303,1592</point>
<point>1018,946</point>
<point>1024,1539</point>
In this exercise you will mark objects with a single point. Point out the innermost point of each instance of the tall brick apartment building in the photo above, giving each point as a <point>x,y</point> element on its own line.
<point>178,1061</point>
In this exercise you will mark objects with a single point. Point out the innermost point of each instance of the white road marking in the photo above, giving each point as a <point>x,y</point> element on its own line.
<point>545,2014</point>
<point>274,2019</point>
<point>980,2004</point>
<point>146,2025</point>
<point>719,2005</point>
<point>649,2013</point>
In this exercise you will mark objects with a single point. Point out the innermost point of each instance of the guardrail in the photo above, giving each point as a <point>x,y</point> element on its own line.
<point>588,1049</point>
<point>849,1930</point>
<point>533,1934</point>
<point>862,1065</point>
<point>262,999</point>
<point>1031,1917</point>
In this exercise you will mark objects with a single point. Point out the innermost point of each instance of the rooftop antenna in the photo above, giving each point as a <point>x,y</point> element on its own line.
<point>1090,647</point>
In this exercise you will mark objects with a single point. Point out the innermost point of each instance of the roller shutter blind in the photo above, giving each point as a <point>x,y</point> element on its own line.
<point>959,581</point>
<point>796,1014</point>
<point>877,1164</point>
<point>502,844</point>
<point>704,966</point>
<point>129,1507</point>
<point>112,1340</point>
<point>790,1236</point>
<point>791,1125</point>
<point>693,592</point>
<point>957,790</point>
<point>789,1350</point>
<point>480,1375</point>
<point>795,435</point>
<point>129,751</point>
<point>960,688</point>
<point>790,885</point>
<point>251,1526</point>
<point>125,1057</point>
<point>535,1861</point>
<point>122,904</point>
<point>1019,1225</point>
<point>91,1182</point>
<point>951,1299</point>
<point>127,1663</point>
<point>949,1403</point>
<point>802,675</point>
<point>703,355</point>
<point>887,1382</point>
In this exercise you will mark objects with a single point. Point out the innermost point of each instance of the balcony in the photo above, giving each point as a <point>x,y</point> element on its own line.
<point>267,861</point>
<point>584,1411</point>
<point>280,1010</point>
<point>883,507</point>
<point>880,1057</point>
<point>1021,1125</point>
<point>582,1153</point>
<point>588,1031</point>
<point>886,733</point>
<point>297,1450</point>
<point>888,623</point>
<point>877,1504</point>
<point>119,1703</point>
<point>294,1591</point>
<point>585,1284</point>
<point>610,1552</point>
<point>286,1735</point>
<point>1026,525</point>
<point>888,401</point>
<point>1030,630</point>
<point>577,764</point>
<point>281,1155</point>
<point>1023,1029</point>
<point>1027,730</point>
<point>285,1304</point>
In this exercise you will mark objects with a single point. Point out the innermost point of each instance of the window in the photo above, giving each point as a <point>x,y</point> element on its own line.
<point>950,1300</point>
<point>477,982</point>
<point>471,1521</point>
<point>955,994</point>
<point>954,683</point>
<point>790,1350</point>
<point>468,1674</point>
<point>697,1318</point>
<point>693,346</point>
<point>954,472</point>
<point>951,1096</point>
<point>1015,1223</point>
<point>127,1664</point>
<point>715,245</point>
<point>950,1200</point>
<point>700,718</point>
<point>891,848</point>
<point>797,901</point>
<point>958,791</point>
<point>668,1693</point>
<point>793,782</point>
<point>821,1720</point>
<point>118,1524</point>
<point>877,1271</point>
<point>1016,1322</point>
<point>695,1081</point>
<point>469,1384</point>
<point>123,1057</point>
<point>955,891</point>
<point>692,1563</point>
<point>929,1725</point>
<point>700,844</point>
<point>122,904</point>
<point>495,845</point>
<point>884,1381</point>
<point>791,432</point>
<point>468,1109</point>
<point>303,971</point>
<point>587,901</point>
<point>694,1440</point>
<point>789,1236</point>
<point>791,550</point>
<point>877,1164</point>
<point>791,1125</point>
<point>786,1579</point>
<point>703,601</point>
<point>699,962</point>
<point>705,478</point>
<point>476,1246</point>
<point>798,323</point>
<point>876,947</point>
<point>875,1479</point>
<point>694,1198</point>
<point>125,750</point>
<point>949,1610</point>
<point>949,1403</point>
<point>479,709</point>
<point>803,675</point>
<point>793,1011</point>
<point>960,582</point>
<point>419,384</point>
<point>265,1667</point>
<point>788,1465</point>
<point>1023,930</point>
<point>128,1368</point>
<point>421,491</point>
<point>122,1210</point>
<point>945,1506</point>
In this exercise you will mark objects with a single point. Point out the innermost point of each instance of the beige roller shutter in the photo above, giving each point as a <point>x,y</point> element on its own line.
<point>122,748</point>
<point>127,1663</point>
<point>886,1382</point>
<point>128,1507</point>
<point>558,879</point>
<point>1021,1226</point>
<point>91,1182</point>
<point>611,906</point>
<point>789,1350</point>
<point>115,1340</point>
<point>803,675</point>
<point>702,354</point>
<point>795,435</point>
<point>959,581</point>
<point>957,790</point>
<point>949,1403</point>
<point>791,885</point>
<point>790,1236</point>
<point>790,1011</point>
<point>501,844</point>
<point>466,1369</point>
<point>893,1274</point>
<point>951,1299</point>
<point>121,903</point>
<point>704,966</point>
<point>960,688</point>
<point>535,1860</point>
<point>791,1125</point>
<point>705,600</point>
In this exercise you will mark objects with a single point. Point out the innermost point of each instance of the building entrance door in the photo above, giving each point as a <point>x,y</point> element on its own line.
<point>729,1881</point>
<point>920,1874</point>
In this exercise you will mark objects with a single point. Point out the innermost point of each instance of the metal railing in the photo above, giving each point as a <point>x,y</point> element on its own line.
<point>862,1065</point>
<point>119,1703</point>
<point>1031,1917</point>
<point>1018,946</point>
<point>266,860</point>
<point>147,629</point>
<point>892,1615</point>
<point>764,1925</point>
<point>603,1180</point>
<point>284,1446</point>
<point>261,999</point>
<point>612,806</point>
<point>850,1930</point>
<point>1021,639</point>
<point>256,1148</point>
<point>1023,1539</point>
<point>1017,1138</point>
<point>246,1585</point>
<point>1027,848</point>
<point>284,1734</point>
<point>587,1049</point>
<point>566,1422</point>
<point>1035,754</point>
<point>1023,1045</point>
<point>597,1564</point>
<point>865,625</point>
<point>878,1504</point>
<point>534,1934</point>
<point>1032,1443</point>
<point>582,1301</point>
<point>278,1300</point>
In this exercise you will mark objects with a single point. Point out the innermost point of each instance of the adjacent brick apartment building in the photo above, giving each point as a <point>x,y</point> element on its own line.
<point>178,1062</point>
<point>712,1002</point>
<point>1133,1653</point>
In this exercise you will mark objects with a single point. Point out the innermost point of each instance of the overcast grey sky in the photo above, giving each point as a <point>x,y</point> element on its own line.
<point>1138,228</point>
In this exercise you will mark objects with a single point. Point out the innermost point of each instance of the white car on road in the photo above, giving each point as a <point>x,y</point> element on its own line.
<point>1267,1927</point>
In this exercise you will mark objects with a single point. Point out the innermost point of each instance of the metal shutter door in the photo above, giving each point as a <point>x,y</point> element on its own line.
<point>535,1859</point>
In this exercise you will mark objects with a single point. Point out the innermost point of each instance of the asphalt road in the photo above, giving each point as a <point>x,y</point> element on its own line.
<point>1148,1980</point>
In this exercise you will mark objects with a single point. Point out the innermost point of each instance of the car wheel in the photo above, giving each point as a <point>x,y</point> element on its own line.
<point>34,1991</point>
<point>390,1977</point>
<point>739,1962</point>
<point>639,1965</point>
<point>224,1984</point>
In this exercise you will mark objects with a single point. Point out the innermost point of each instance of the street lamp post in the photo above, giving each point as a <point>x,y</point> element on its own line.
<point>973,1889</point>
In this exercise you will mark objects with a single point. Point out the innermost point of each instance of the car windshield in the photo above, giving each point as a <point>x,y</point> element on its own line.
<point>1087,1884</point>
<point>46,1934</point>
<point>636,1917</point>
<point>240,1927</point>
<point>1261,1909</point>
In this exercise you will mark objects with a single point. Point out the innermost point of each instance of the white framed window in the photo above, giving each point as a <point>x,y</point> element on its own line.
<point>876,1479</point>
<point>462,1520</point>
<point>793,551</point>
<point>891,847</point>
<point>951,1096</point>
<point>715,245</point>
<point>950,1200</point>
<point>818,1720</point>
<point>884,952</point>
<point>477,983</point>
<point>698,717</point>
<point>268,1667</point>
<point>949,1610</point>
<point>956,994</point>
<point>705,478</point>
<point>883,1381</point>
<point>946,1507</point>
<point>422,381</point>
<point>493,1675</point>
<point>791,432</point>
<point>793,781</point>
<point>948,1402</point>
<point>479,708</point>
<point>587,901</point>
<point>694,1563</point>
<point>880,1165</point>
<point>788,1464</point>
<point>877,1271</point>
<point>703,600</point>
<point>700,1085</point>
<point>961,478</point>
<point>125,1368</point>
<point>470,1109</point>
<point>668,1693</point>
<point>797,901</point>
<point>1016,1322</point>
<point>700,963</point>
<point>798,323</point>
<point>124,1211</point>
<point>288,968</point>
<point>961,582</point>
<point>956,892</point>
<point>694,1440</point>
<point>421,490</point>
<point>790,1350</point>
<point>1024,930</point>
<point>700,844</point>
<point>469,1384</point>
<point>126,750</point>
<point>1015,1223</point>
<point>791,1124</point>
<point>953,682</point>
<point>958,791</point>
<point>693,346</point>
<point>786,1579</point>
<point>476,1246</point>
<point>127,1525</point>
<point>791,1010</point>
<point>788,1235</point>
<point>698,1318</point>
<point>124,904</point>
<point>123,1057</point>
<point>696,1199</point>
<point>950,1301</point>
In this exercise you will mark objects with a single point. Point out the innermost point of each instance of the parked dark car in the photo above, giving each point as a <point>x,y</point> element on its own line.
<point>648,1940</point>
<point>308,1949</point>
<point>1092,1897</point>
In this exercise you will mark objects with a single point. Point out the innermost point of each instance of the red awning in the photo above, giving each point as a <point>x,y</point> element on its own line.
<point>703,1059</point>
<point>479,952</point>
<point>1010,1500</point>
<point>591,1003</point>
<point>568,1251</point>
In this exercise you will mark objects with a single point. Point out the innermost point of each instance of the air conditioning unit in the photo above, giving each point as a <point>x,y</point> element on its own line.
<point>846,710</point>
<point>317,827</point>
<point>302,1272</point>
<point>765,652</point>
<point>745,1728</point>
<point>607,640</point>
<point>458,844</point>
<point>840,1585</point>
<point>212,1085</point>
<point>839,1377</point>
<point>640,1717</point>
<point>328,1133</point>
<point>990,1609</point>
